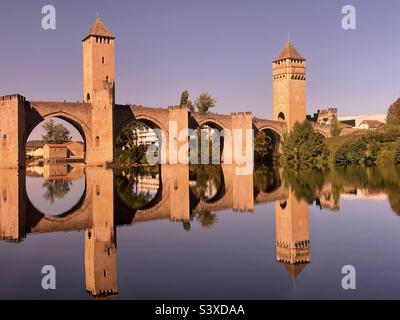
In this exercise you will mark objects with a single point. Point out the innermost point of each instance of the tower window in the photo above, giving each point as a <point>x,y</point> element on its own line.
<point>97,141</point>
<point>103,60</point>
<point>281,116</point>
<point>107,79</point>
<point>88,97</point>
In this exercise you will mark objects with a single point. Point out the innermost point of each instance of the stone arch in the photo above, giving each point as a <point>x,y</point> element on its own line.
<point>273,129</point>
<point>76,122</point>
<point>212,122</point>
<point>323,133</point>
<point>148,120</point>
<point>217,124</point>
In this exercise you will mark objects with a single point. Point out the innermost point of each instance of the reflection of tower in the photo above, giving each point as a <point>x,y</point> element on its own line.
<point>289,84</point>
<point>292,234</point>
<point>99,90</point>
<point>12,205</point>
<point>100,241</point>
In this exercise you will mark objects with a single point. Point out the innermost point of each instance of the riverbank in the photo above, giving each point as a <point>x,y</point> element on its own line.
<point>366,147</point>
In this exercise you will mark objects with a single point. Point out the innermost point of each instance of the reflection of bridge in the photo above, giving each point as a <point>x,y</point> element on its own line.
<point>99,119</point>
<point>99,211</point>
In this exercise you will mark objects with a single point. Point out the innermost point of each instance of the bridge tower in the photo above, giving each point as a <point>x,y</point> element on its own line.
<point>289,86</point>
<point>292,234</point>
<point>12,131</point>
<point>99,90</point>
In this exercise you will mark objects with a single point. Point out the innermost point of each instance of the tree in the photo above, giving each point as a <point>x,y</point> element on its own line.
<point>363,151</point>
<point>55,133</point>
<point>335,127</point>
<point>204,103</point>
<point>397,153</point>
<point>186,102</point>
<point>263,147</point>
<point>128,151</point>
<point>303,147</point>
<point>393,116</point>
<point>184,98</point>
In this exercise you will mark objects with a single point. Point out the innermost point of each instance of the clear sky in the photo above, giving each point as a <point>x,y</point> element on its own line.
<point>224,47</point>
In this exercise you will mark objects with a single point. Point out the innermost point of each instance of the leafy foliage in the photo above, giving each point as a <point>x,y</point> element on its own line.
<point>204,103</point>
<point>263,148</point>
<point>55,133</point>
<point>377,147</point>
<point>184,98</point>
<point>335,127</point>
<point>393,116</point>
<point>303,147</point>
<point>128,151</point>
<point>397,153</point>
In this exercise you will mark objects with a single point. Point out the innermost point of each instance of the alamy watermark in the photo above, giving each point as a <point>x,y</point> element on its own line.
<point>49,20</point>
<point>49,280</point>
<point>349,20</point>
<point>190,146</point>
<point>349,280</point>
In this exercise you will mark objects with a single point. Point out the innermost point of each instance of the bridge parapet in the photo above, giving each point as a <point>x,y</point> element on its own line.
<point>13,96</point>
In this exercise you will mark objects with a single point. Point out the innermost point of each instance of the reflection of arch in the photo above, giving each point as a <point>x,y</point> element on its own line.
<point>222,201</point>
<point>61,216</point>
<point>221,192</point>
<point>76,218</point>
<point>266,182</point>
<point>152,203</point>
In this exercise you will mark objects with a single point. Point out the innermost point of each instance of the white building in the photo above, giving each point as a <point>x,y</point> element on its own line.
<point>355,121</point>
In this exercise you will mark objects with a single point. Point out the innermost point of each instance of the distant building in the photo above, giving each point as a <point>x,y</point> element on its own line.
<point>355,121</point>
<point>145,137</point>
<point>324,116</point>
<point>76,150</point>
<point>370,124</point>
<point>35,153</point>
<point>55,152</point>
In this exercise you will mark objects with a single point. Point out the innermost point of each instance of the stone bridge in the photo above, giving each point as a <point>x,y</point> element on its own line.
<point>19,117</point>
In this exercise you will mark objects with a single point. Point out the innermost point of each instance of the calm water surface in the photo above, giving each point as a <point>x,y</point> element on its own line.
<point>176,232</point>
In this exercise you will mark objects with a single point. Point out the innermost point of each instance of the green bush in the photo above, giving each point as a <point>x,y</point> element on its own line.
<point>303,147</point>
<point>397,153</point>
<point>358,152</point>
<point>376,147</point>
